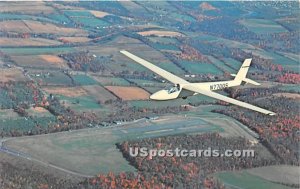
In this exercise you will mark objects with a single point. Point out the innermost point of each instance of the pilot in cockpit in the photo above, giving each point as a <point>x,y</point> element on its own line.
<point>173,89</point>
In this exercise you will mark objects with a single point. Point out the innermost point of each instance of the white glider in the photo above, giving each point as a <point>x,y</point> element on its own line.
<point>183,88</point>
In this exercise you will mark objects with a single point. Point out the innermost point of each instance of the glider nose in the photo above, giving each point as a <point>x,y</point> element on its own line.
<point>159,95</point>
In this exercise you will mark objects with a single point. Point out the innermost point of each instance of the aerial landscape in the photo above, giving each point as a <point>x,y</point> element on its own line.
<point>76,97</point>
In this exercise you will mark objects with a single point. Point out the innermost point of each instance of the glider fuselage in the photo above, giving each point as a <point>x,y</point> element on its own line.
<point>179,92</point>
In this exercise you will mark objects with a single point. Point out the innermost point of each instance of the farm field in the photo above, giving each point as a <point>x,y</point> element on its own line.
<point>147,83</point>
<point>12,74</point>
<point>262,26</point>
<point>123,64</point>
<point>163,40</point>
<point>36,50</point>
<point>165,47</point>
<point>28,26</point>
<point>50,78</point>
<point>66,91</point>
<point>99,93</point>
<point>26,8</point>
<point>271,55</point>
<point>27,42</point>
<point>8,113</point>
<point>11,121</point>
<point>128,93</point>
<point>221,65</point>
<point>86,18</point>
<point>99,14</point>
<point>234,64</point>
<point>39,112</point>
<point>39,61</point>
<point>277,58</point>
<point>133,7</point>
<point>81,79</point>
<point>243,179</point>
<point>91,22</point>
<point>68,96</point>
<point>292,56</point>
<point>160,33</point>
<point>111,81</point>
<point>81,103</point>
<point>17,124</point>
<point>74,39</point>
<point>200,68</point>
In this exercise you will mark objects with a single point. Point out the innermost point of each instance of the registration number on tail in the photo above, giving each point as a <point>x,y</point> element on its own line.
<point>218,86</point>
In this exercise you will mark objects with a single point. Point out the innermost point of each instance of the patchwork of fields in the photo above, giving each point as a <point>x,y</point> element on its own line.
<point>61,70</point>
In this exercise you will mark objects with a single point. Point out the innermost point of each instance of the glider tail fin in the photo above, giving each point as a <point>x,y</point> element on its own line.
<point>241,75</point>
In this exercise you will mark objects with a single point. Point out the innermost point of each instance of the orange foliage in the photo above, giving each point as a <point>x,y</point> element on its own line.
<point>289,78</point>
<point>190,53</point>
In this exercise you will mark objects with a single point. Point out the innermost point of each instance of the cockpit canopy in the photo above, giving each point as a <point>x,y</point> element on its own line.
<point>172,88</point>
<point>170,92</point>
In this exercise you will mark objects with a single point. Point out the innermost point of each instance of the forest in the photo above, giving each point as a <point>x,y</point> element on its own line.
<point>281,133</point>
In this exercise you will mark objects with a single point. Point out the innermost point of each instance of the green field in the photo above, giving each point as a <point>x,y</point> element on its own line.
<point>170,67</point>
<point>147,83</point>
<point>60,18</point>
<point>262,26</point>
<point>163,40</point>
<point>82,79</point>
<point>295,57</point>
<point>17,124</point>
<point>286,62</point>
<point>45,113</point>
<point>91,22</point>
<point>10,120</point>
<point>244,180</point>
<point>112,81</point>
<point>82,103</point>
<point>78,13</point>
<point>55,78</point>
<point>23,124</point>
<point>10,16</point>
<point>85,18</point>
<point>277,58</point>
<point>290,88</point>
<point>161,46</point>
<point>182,17</point>
<point>200,68</point>
<point>234,64</point>
<point>221,65</point>
<point>206,38</point>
